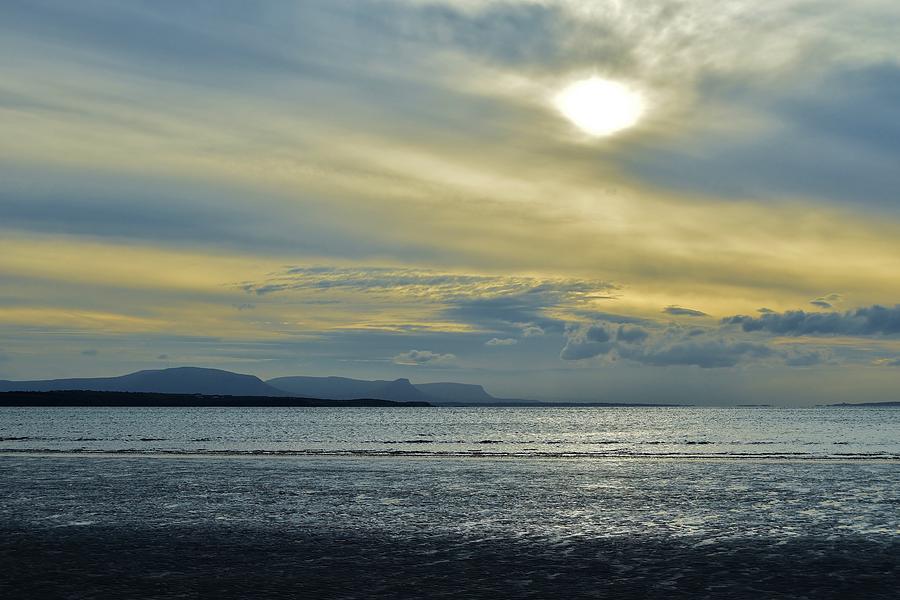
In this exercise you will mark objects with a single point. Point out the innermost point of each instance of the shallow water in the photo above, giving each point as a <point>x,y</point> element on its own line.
<point>858,433</point>
<point>96,526</point>
<point>449,503</point>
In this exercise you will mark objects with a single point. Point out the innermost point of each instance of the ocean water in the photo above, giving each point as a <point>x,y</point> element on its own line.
<point>858,433</point>
<point>450,503</point>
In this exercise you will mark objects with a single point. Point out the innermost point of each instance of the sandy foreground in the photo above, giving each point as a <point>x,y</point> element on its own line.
<point>102,527</point>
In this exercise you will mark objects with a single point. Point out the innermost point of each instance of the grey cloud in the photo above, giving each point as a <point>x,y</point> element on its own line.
<point>867,321</point>
<point>162,357</point>
<point>887,362</point>
<point>501,342</point>
<point>90,352</point>
<point>684,312</point>
<point>806,358</point>
<point>631,335</point>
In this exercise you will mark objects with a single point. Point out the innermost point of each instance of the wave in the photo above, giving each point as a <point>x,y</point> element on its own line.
<point>618,453</point>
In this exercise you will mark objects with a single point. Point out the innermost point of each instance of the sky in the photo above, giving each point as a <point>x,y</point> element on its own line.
<point>396,188</point>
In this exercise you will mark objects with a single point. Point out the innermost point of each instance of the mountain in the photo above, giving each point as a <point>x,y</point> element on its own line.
<point>343,388</point>
<point>195,380</point>
<point>181,380</point>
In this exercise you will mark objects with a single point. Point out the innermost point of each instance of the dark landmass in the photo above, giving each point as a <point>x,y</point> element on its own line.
<point>94,398</point>
<point>249,390</point>
<point>216,382</point>
<point>180,380</point>
<point>864,404</point>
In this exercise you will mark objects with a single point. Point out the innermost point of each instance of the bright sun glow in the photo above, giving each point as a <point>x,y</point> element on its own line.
<point>600,107</point>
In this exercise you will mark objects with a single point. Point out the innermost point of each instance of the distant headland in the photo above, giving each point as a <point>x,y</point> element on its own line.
<point>140,399</point>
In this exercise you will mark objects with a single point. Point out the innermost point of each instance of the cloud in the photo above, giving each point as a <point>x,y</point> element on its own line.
<point>425,284</point>
<point>832,137</point>
<point>587,341</point>
<point>531,330</point>
<point>867,321</point>
<point>90,352</point>
<point>422,357</point>
<point>684,312</point>
<point>512,305</point>
<point>660,346</point>
<point>706,354</point>
<point>826,301</point>
<point>501,342</point>
<point>162,357</point>
<point>806,358</point>
<point>887,362</point>
<point>631,335</point>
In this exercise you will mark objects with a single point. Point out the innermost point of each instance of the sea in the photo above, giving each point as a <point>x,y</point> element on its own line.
<point>630,502</point>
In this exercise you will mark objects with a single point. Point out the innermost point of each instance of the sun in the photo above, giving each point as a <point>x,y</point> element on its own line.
<point>600,107</point>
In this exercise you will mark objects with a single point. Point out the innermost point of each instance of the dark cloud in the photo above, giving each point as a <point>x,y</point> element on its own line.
<point>868,321</point>
<point>90,352</point>
<point>706,354</point>
<point>663,347</point>
<point>805,358</point>
<point>684,312</point>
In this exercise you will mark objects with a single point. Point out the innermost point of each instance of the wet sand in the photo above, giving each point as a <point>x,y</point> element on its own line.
<point>91,527</point>
<point>225,562</point>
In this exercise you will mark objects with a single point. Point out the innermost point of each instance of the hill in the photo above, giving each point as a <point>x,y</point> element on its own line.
<point>180,380</point>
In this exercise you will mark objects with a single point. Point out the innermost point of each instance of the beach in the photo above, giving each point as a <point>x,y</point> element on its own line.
<point>90,526</point>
